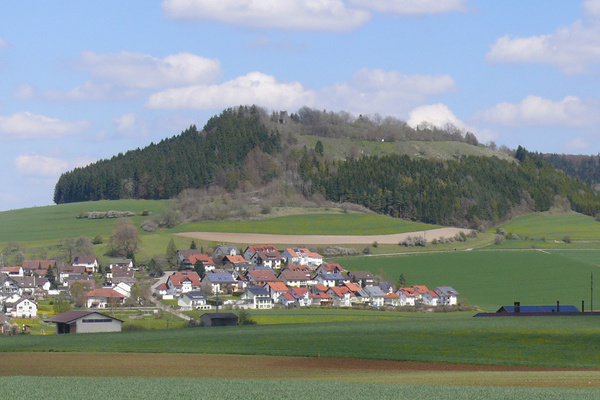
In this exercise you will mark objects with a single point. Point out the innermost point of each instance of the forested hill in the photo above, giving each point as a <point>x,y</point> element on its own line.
<point>190,160</point>
<point>586,168</point>
<point>245,149</point>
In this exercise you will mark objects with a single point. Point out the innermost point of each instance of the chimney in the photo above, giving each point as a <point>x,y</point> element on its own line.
<point>557,306</point>
<point>582,306</point>
<point>517,307</point>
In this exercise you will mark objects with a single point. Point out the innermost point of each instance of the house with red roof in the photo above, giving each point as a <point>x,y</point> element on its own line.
<point>264,255</point>
<point>293,278</point>
<point>340,296</point>
<point>420,290</point>
<point>190,261</point>
<point>37,267</point>
<point>408,296</point>
<point>12,271</point>
<point>391,299</point>
<point>104,298</point>
<point>183,282</point>
<point>430,298</point>
<point>276,289</point>
<point>261,276</point>
<point>302,296</point>
<point>329,268</point>
<point>89,262</point>
<point>302,256</point>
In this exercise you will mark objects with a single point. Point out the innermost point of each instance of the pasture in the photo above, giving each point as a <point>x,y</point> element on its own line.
<point>491,277</point>
<point>555,226</point>
<point>455,338</point>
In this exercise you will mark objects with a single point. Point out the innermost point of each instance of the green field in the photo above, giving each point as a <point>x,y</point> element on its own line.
<point>490,278</point>
<point>313,224</point>
<point>442,337</point>
<point>555,226</point>
<point>135,388</point>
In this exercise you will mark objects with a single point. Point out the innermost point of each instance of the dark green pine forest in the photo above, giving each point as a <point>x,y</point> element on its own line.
<point>243,149</point>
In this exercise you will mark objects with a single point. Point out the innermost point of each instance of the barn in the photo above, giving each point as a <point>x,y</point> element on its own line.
<point>219,319</point>
<point>85,322</point>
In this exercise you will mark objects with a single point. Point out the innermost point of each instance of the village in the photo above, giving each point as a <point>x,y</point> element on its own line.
<point>259,278</point>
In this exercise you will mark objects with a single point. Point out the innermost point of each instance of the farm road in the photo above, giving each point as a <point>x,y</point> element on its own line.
<point>230,237</point>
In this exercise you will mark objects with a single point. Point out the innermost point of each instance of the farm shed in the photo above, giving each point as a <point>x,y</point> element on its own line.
<point>85,322</point>
<point>219,319</point>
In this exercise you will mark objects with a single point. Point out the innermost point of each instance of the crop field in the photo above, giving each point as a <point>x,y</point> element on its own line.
<point>455,338</point>
<point>313,224</point>
<point>555,226</point>
<point>135,388</point>
<point>491,278</point>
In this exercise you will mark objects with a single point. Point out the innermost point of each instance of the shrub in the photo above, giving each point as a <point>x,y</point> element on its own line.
<point>245,319</point>
<point>567,239</point>
<point>367,250</point>
<point>97,239</point>
<point>149,225</point>
<point>499,239</point>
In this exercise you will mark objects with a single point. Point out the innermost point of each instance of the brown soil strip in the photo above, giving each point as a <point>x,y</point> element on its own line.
<point>226,237</point>
<point>296,368</point>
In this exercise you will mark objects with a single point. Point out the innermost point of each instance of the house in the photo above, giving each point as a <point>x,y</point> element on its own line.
<point>408,296</point>
<point>299,268</point>
<point>104,298</point>
<point>302,296</point>
<point>261,276</point>
<point>287,299</point>
<point>358,294</point>
<point>23,308</point>
<point>293,278</point>
<point>89,262</point>
<point>264,255</point>
<point>69,270</point>
<point>195,300</point>
<point>276,289</point>
<point>183,254</point>
<point>37,267</point>
<point>420,290</point>
<point>340,296</point>
<point>162,290</point>
<point>376,295</point>
<point>330,280</point>
<point>302,257</point>
<point>431,298</point>
<point>126,263</point>
<point>222,251</point>
<point>448,296</point>
<point>76,321</point>
<point>386,287</point>
<point>182,282</point>
<point>12,271</point>
<point>257,297</point>
<point>321,299</point>
<point>219,319</point>
<point>236,262</point>
<point>363,278</point>
<point>191,260</point>
<point>32,285</point>
<point>124,289</point>
<point>329,268</point>
<point>218,282</point>
<point>391,299</point>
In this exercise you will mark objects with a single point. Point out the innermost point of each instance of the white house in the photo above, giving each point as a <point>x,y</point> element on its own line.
<point>121,262</point>
<point>104,298</point>
<point>182,282</point>
<point>408,296</point>
<point>24,308</point>
<point>376,295</point>
<point>89,262</point>
<point>430,298</point>
<point>448,296</point>
<point>123,288</point>
<point>194,300</point>
<point>218,282</point>
<point>302,257</point>
<point>340,296</point>
<point>257,297</point>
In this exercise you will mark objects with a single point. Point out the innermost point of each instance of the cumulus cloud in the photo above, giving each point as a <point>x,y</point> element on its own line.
<point>438,115</point>
<point>324,15</point>
<point>572,49</point>
<point>124,75</point>
<point>26,125</point>
<point>40,166</point>
<point>130,124</point>
<point>534,110</point>
<point>252,88</point>
<point>411,7</point>
<point>389,92</point>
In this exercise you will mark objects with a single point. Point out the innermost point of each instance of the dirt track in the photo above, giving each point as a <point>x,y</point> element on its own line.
<point>255,238</point>
<point>297,368</point>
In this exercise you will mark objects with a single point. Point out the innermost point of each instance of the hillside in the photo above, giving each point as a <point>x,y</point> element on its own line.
<point>426,174</point>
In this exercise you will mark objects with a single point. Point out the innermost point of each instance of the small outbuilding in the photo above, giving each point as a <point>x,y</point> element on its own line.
<point>219,319</point>
<point>76,321</point>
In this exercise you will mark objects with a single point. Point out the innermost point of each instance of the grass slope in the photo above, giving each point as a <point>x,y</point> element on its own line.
<point>555,226</point>
<point>491,278</point>
<point>313,224</point>
<point>447,338</point>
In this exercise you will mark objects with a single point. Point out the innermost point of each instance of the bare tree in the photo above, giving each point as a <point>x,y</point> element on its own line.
<point>125,240</point>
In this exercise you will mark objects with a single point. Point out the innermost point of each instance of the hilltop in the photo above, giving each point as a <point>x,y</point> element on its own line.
<point>426,174</point>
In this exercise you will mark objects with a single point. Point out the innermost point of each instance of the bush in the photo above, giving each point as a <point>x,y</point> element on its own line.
<point>567,239</point>
<point>149,225</point>
<point>499,239</point>
<point>245,319</point>
<point>367,250</point>
<point>97,239</point>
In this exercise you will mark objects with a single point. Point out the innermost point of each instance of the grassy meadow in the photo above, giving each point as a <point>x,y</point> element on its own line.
<point>555,226</point>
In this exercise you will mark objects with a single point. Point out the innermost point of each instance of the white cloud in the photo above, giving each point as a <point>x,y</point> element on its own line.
<point>130,124</point>
<point>40,166</point>
<point>324,15</point>
<point>125,75</point>
<point>252,88</point>
<point>26,125</point>
<point>3,43</point>
<point>534,110</point>
<point>577,145</point>
<point>572,49</point>
<point>411,7</point>
<point>438,115</point>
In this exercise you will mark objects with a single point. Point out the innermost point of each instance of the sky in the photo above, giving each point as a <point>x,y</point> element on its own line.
<point>82,81</point>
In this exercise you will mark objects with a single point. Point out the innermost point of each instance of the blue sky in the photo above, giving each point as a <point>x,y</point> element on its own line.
<point>85,80</point>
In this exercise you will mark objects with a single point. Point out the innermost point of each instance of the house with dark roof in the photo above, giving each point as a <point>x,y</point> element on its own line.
<point>89,262</point>
<point>195,300</point>
<point>448,296</point>
<point>218,282</point>
<point>261,276</point>
<point>257,297</point>
<point>363,278</point>
<point>76,321</point>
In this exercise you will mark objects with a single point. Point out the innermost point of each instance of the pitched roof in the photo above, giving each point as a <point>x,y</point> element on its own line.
<point>84,260</point>
<point>421,289</point>
<point>35,264</point>
<point>206,260</point>
<point>354,287</point>
<point>293,275</point>
<point>262,275</point>
<point>237,259</point>
<point>177,278</point>
<point>106,293</point>
<point>288,296</point>
<point>391,296</point>
<point>408,292</point>
<point>446,291</point>
<point>320,288</point>
<point>219,277</point>
<point>267,248</point>
<point>73,315</point>
<point>258,290</point>
<point>194,295</point>
<point>361,274</point>
<point>277,286</point>
<point>374,291</point>
<point>339,291</point>
<point>299,292</point>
